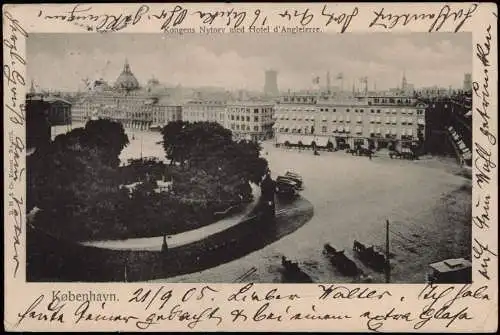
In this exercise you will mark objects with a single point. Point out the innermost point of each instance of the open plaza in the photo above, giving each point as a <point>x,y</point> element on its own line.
<point>427,203</point>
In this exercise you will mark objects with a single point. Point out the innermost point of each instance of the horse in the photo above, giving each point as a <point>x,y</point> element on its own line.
<point>340,260</point>
<point>369,256</point>
<point>293,273</point>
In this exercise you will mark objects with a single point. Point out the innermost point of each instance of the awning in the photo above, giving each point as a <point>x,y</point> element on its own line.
<point>321,141</point>
<point>286,138</point>
<point>324,118</point>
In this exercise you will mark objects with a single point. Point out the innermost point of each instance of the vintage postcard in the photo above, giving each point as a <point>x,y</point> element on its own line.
<point>251,167</point>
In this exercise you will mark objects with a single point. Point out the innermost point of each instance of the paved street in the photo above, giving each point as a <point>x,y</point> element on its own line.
<point>427,205</point>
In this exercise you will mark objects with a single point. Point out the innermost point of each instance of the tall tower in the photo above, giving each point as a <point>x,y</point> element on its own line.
<point>467,82</point>
<point>271,83</point>
<point>404,83</point>
<point>328,87</point>
<point>32,88</point>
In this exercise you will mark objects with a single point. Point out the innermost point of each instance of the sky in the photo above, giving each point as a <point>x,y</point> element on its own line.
<point>238,61</point>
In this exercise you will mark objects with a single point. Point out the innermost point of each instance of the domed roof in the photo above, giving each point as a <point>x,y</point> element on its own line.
<point>127,80</point>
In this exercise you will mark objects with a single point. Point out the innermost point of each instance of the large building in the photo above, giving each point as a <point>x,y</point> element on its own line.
<point>128,103</point>
<point>271,83</point>
<point>58,110</point>
<point>204,110</point>
<point>371,121</point>
<point>38,128</point>
<point>250,120</point>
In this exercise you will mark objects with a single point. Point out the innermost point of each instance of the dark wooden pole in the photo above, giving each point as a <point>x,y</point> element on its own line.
<point>387,262</point>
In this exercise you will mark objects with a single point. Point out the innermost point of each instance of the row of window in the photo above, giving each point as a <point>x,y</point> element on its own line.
<point>392,100</point>
<point>243,118</point>
<point>243,127</point>
<point>248,110</point>
<point>347,118</point>
<point>402,111</point>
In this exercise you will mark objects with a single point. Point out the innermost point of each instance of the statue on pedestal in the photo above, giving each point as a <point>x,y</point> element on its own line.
<point>268,196</point>
<point>164,246</point>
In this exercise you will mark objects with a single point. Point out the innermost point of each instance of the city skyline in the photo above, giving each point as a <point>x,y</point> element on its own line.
<point>240,61</point>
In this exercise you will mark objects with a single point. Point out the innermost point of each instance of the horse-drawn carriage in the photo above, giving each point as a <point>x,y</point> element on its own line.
<point>286,186</point>
<point>456,271</point>
<point>369,256</point>
<point>293,273</point>
<point>360,151</point>
<point>405,153</point>
<point>295,177</point>
<point>290,184</point>
<point>340,261</point>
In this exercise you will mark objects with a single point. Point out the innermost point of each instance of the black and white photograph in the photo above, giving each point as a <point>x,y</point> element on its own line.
<point>249,158</point>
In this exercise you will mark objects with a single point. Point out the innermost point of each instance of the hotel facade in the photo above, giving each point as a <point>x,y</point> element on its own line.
<point>200,110</point>
<point>371,121</point>
<point>250,120</point>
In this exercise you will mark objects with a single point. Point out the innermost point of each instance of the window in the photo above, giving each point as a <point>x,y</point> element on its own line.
<point>256,128</point>
<point>361,110</point>
<point>378,119</point>
<point>355,111</point>
<point>378,111</point>
<point>334,110</point>
<point>323,129</point>
<point>372,111</point>
<point>248,118</point>
<point>347,118</point>
<point>347,110</point>
<point>359,130</point>
<point>237,117</point>
<point>256,111</point>
<point>256,118</point>
<point>359,119</point>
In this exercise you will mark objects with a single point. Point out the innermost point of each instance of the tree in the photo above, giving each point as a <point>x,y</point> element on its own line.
<point>109,137</point>
<point>173,142</point>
